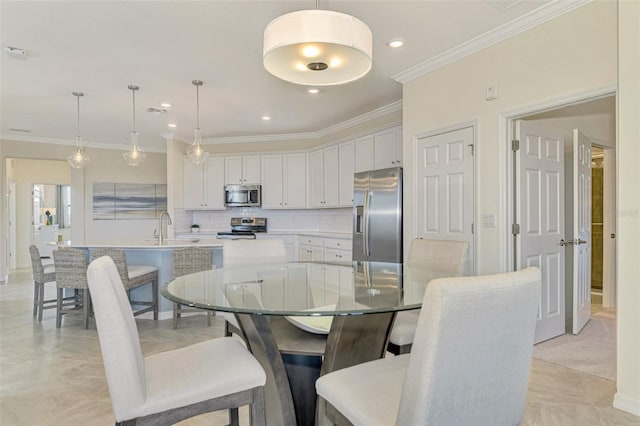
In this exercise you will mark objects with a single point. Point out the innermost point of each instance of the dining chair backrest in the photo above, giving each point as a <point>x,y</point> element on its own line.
<point>192,259</point>
<point>118,257</point>
<point>71,268</point>
<point>446,257</point>
<point>118,335</point>
<point>239,252</point>
<point>471,354</point>
<point>39,275</point>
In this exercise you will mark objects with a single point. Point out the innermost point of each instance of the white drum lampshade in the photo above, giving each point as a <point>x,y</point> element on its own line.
<point>317,47</point>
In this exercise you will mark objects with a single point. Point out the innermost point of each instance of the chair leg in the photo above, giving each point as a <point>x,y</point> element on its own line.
<point>175,315</point>
<point>36,291</point>
<point>86,301</point>
<point>40,300</point>
<point>59,308</point>
<point>154,289</point>
<point>256,411</point>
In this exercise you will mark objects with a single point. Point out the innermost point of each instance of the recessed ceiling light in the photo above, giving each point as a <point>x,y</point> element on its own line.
<point>165,105</point>
<point>266,118</point>
<point>313,91</point>
<point>172,125</point>
<point>395,43</point>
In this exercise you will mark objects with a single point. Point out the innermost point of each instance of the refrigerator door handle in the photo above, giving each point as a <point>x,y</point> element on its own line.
<point>367,204</point>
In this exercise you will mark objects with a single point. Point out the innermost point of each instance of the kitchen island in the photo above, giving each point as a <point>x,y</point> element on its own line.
<point>149,252</point>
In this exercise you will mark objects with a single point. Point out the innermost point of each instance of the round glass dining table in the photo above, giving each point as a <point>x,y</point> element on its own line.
<point>349,307</point>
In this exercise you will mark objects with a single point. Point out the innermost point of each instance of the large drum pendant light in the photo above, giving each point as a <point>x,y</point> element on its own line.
<point>317,47</point>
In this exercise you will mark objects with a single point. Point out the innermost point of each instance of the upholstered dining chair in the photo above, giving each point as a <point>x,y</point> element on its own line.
<point>42,274</point>
<point>168,387</point>
<point>436,259</point>
<point>71,273</point>
<point>249,252</point>
<point>469,363</point>
<point>190,260</point>
<point>133,276</point>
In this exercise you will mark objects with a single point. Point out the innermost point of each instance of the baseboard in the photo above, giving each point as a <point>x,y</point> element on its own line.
<point>625,403</point>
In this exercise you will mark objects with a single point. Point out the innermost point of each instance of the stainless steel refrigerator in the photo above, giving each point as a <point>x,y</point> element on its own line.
<point>377,215</point>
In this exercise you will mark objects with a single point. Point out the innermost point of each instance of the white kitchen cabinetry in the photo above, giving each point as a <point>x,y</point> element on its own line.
<point>323,177</point>
<point>310,249</point>
<point>242,170</point>
<point>284,181</point>
<point>388,148</point>
<point>364,154</point>
<point>346,168</point>
<point>337,250</point>
<point>380,150</point>
<point>204,184</point>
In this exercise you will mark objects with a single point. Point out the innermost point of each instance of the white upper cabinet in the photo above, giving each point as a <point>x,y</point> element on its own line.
<point>284,181</point>
<point>242,169</point>
<point>364,154</point>
<point>380,150</point>
<point>204,184</point>
<point>323,177</point>
<point>387,148</point>
<point>346,168</point>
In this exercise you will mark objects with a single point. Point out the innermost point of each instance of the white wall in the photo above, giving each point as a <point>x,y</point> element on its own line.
<point>628,235</point>
<point>573,53</point>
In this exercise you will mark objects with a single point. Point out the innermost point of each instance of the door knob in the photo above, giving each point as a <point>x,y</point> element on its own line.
<point>579,241</point>
<point>564,243</point>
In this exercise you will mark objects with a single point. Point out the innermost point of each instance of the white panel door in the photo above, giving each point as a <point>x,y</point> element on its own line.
<point>445,187</point>
<point>271,181</point>
<point>294,193</point>
<point>581,230</point>
<point>540,214</point>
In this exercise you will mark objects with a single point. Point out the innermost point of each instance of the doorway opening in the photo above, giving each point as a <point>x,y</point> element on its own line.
<point>593,118</point>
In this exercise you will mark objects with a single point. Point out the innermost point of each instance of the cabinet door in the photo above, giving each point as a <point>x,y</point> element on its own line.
<point>214,183</point>
<point>399,146</point>
<point>331,179</point>
<point>364,154</point>
<point>294,192</point>
<point>304,255</point>
<point>271,182</point>
<point>233,170</point>
<point>316,178</point>
<point>346,162</point>
<point>385,149</point>
<point>317,253</point>
<point>251,169</point>
<point>193,185</point>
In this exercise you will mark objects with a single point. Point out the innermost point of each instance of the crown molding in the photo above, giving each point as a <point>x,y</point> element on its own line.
<point>72,143</point>
<point>347,124</point>
<point>523,23</point>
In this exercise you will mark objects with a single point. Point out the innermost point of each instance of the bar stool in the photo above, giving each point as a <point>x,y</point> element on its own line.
<point>71,272</point>
<point>41,275</point>
<point>190,260</point>
<point>133,276</point>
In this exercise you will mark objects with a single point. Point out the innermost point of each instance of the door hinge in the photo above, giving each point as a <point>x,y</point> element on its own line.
<point>515,145</point>
<point>472,148</point>
<point>515,229</point>
<point>472,228</point>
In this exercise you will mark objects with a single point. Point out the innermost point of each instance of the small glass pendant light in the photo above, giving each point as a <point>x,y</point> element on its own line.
<point>78,158</point>
<point>196,152</point>
<point>135,156</point>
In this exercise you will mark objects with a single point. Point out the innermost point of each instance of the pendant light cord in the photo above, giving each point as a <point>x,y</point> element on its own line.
<point>78,122</point>
<point>197,106</point>
<point>134,109</point>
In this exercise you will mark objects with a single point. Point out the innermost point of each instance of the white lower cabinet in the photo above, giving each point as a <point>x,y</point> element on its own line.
<point>310,249</point>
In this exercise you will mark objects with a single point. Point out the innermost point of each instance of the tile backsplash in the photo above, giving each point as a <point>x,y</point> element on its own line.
<point>321,220</point>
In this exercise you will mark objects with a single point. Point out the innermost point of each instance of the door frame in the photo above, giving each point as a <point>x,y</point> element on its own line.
<point>414,146</point>
<point>507,134</point>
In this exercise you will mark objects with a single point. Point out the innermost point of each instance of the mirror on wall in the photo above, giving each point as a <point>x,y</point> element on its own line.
<point>52,205</point>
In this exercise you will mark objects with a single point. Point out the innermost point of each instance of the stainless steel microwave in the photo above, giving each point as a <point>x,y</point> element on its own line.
<point>242,195</point>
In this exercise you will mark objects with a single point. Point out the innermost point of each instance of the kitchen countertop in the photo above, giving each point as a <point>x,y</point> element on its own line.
<point>150,244</point>
<point>212,234</point>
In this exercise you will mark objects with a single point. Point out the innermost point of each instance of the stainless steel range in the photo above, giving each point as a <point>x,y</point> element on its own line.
<point>244,228</point>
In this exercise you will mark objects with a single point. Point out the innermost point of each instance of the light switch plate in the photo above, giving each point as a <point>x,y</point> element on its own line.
<point>491,92</point>
<point>488,220</point>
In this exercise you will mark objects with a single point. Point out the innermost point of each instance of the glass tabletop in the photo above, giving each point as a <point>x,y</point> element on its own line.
<point>312,289</point>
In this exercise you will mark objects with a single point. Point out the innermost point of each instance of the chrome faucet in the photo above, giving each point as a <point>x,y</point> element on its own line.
<point>161,236</point>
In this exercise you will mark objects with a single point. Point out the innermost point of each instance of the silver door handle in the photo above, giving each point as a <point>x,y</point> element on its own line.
<point>579,241</point>
<point>365,246</point>
<point>565,243</point>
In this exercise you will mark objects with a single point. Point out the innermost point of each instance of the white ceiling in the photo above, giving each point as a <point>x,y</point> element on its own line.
<point>100,47</point>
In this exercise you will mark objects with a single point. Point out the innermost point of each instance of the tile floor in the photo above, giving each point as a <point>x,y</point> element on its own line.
<point>52,376</point>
